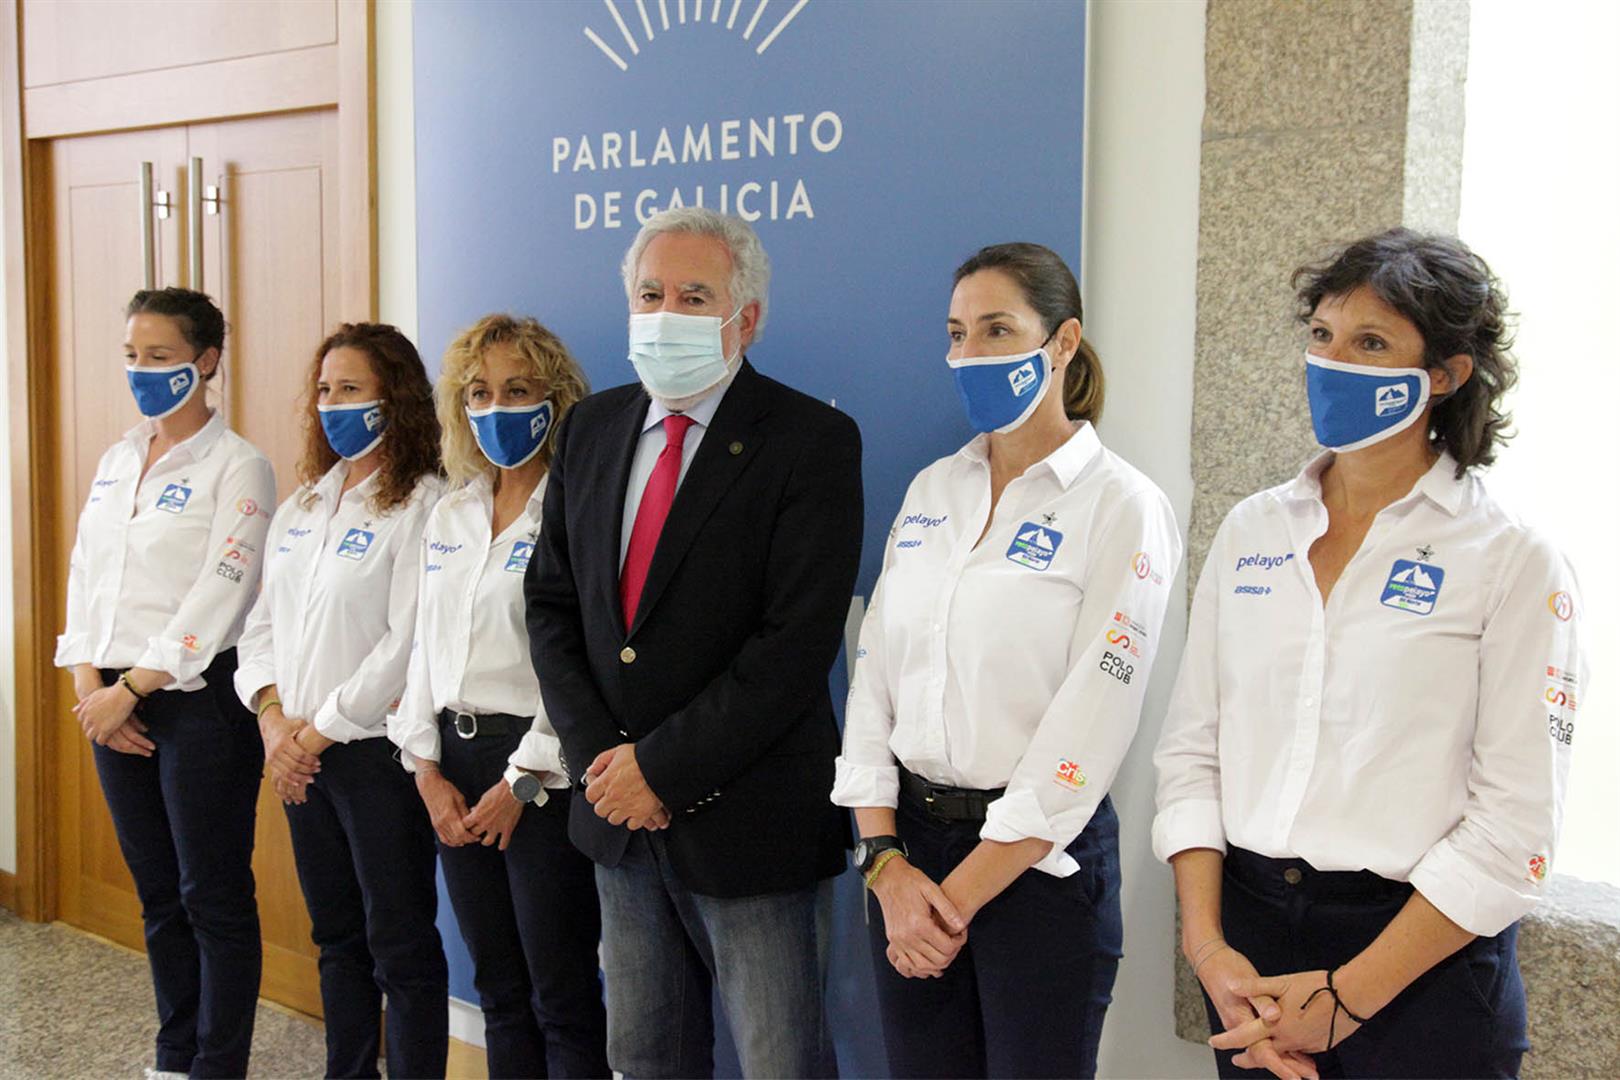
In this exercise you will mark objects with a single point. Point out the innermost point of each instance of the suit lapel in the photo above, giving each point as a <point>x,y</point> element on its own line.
<point>623,433</point>
<point>728,446</point>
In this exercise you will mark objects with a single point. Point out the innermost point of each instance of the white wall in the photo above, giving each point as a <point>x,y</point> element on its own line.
<point>1145,108</point>
<point>1540,156</point>
<point>396,168</point>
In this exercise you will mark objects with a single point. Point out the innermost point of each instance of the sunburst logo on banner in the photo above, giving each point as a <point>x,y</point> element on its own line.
<point>687,13</point>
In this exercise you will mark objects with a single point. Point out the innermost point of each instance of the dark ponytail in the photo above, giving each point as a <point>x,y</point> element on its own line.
<point>201,323</point>
<point>1050,289</point>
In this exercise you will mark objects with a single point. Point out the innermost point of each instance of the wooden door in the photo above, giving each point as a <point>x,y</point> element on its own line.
<point>95,232</point>
<point>270,259</point>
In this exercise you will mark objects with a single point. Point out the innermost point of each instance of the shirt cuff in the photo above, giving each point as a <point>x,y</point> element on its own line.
<point>541,753</point>
<point>1190,823</point>
<point>72,649</point>
<point>865,785</point>
<point>1017,816</point>
<point>250,679</point>
<point>415,746</point>
<point>1474,900</point>
<point>329,721</point>
<point>183,662</point>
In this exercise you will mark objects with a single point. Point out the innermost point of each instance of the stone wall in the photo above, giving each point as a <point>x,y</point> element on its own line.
<point>1325,121</point>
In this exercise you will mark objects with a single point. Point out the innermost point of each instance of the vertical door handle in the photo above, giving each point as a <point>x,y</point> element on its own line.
<point>194,201</point>
<point>148,245</point>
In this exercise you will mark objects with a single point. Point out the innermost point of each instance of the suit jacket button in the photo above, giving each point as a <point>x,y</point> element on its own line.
<point>627,655</point>
<point>736,448</point>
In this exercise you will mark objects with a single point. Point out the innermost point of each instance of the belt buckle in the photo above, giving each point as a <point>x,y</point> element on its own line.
<point>466,725</point>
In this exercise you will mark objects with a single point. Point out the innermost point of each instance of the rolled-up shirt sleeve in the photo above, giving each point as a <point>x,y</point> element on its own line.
<point>1490,870</point>
<point>414,725</point>
<point>1087,729</point>
<point>865,773</point>
<point>540,752</point>
<point>1187,758</point>
<point>356,707</point>
<point>228,581</point>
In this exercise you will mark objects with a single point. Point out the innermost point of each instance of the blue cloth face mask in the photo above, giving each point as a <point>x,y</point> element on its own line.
<point>1001,392</point>
<point>678,356</point>
<point>353,431</point>
<point>510,435</point>
<point>159,391</point>
<point>1357,405</point>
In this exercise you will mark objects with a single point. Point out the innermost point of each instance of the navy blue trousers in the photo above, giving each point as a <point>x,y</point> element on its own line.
<point>364,848</point>
<point>184,819</point>
<point>1465,1017</point>
<point>531,922</point>
<point>1027,994</point>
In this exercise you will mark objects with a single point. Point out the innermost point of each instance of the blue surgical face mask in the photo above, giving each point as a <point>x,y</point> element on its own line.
<point>353,430</point>
<point>1001,392</point>
<point>678,356</point>
<point>510,435</point>
<point>159,391</point>
<point>1357,405</point>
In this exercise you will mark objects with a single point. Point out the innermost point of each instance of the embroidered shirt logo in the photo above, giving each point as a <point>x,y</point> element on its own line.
<point>1413,586</point>
<point>1069,775</point>
<point>1034,546</point>
<point>174,498</point>
<point>1535,871</point>
<point>356,542</point>
<point>1562,605</point>
<point>518,561</point>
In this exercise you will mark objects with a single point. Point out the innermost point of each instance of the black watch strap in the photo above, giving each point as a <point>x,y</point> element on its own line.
<point>870,847</point>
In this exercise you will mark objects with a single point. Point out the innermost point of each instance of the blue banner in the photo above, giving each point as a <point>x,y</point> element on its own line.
<point>874,145</point>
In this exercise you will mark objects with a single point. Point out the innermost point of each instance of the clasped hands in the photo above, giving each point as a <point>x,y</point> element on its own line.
<point>926,929</point>
<point>619,793</point>
<point>1274,1021</point>
<point>292,754</point>
<point>106,714</point>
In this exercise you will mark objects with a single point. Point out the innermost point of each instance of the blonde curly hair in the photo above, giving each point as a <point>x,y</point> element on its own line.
<point>549,363</point>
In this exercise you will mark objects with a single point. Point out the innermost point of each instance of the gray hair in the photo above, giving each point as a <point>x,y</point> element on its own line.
<point>750,267</point>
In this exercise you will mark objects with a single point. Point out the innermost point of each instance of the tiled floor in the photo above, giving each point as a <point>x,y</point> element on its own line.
<point>72,1005</point>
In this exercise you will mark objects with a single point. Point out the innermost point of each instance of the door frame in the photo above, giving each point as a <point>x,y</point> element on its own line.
<point>260,85</point>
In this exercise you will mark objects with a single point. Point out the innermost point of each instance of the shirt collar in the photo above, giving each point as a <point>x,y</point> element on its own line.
<point>1440,485</point>
<point>482,488</point>
<point>1065,463</point>
<point>701,414</point>
<point>195,446</point>
<point>330,486</point>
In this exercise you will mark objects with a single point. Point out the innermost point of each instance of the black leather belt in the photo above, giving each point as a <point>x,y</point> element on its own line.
<point>947,803</point>
<point>477,725</point>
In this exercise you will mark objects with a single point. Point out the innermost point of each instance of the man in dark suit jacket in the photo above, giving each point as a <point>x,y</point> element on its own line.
<point>685,603</point>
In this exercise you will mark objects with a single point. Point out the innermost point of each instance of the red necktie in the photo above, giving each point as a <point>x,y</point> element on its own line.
<point>655,503</point>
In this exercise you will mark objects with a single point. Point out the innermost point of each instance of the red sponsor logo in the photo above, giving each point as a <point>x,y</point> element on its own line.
<point>1069,775</point>
<point>190,642</point>
<point>1536,869</point>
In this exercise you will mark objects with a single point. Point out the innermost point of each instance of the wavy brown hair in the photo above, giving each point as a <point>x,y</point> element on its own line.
<point>410,443</point>
<point>1457,304</point>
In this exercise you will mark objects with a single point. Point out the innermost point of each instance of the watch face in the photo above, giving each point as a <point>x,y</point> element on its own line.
<point>863,854</point>
<point>525,788</point>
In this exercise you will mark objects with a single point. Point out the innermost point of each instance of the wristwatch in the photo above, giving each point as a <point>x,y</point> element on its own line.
<point>870,847</point>
<point>525,785</point>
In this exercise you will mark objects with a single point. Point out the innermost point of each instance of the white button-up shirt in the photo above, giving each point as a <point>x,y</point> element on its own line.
<point>333,627</point>
<point>652,442</point>
<point>1019,660</point>
<point>1418,726</point>
<point>472,646</point>
<point>165,566</point>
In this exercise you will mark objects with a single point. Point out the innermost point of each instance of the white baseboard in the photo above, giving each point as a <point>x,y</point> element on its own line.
<point>466,1022</point>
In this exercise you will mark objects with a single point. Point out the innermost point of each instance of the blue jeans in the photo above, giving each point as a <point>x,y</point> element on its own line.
<point>666,950</point>
<point>1463,1017</point>
<point>529,918</point>
<point>184,819</point>
<point>364,849</point>
<point>1027,994</point>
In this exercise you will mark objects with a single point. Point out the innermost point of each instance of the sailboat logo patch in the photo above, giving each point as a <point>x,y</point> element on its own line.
<point>1413,586</point>
<point>1034,545</point>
